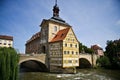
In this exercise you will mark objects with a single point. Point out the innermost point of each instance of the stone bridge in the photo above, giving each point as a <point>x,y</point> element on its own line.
<point>33,62</point>
<point>89,58</point>
<point>30,59</point>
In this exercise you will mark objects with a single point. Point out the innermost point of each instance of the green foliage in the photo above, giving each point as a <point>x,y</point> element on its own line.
<point>113,53</point>
<point>8,64</point>
<point>103,61</point>
<point>83,48</point>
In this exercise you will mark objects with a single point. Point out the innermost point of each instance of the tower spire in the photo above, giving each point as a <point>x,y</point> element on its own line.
<point>55,10</point>
<point>55,2</point>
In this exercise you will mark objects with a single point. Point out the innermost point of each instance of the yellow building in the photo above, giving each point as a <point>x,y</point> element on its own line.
<point>6,41</point>
<point>64,51</point>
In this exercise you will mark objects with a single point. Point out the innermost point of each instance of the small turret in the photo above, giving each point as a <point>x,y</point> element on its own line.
<point>56,10</point>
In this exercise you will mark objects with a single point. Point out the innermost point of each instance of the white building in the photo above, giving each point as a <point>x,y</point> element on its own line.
<point>6,41</point>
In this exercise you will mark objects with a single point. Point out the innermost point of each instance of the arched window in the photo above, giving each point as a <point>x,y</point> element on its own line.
<point>55,28</point>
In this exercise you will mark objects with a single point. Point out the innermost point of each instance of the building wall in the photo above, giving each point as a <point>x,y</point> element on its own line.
<point>44,38</point>
<point>33,47</point>
<point>33,44</point>
<point>100,52</point>
<point>6,43</point>
<point>70,50</point>
<point>55,55</point>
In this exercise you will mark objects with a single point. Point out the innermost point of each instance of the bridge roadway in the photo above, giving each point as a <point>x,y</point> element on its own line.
<point>42,58</point>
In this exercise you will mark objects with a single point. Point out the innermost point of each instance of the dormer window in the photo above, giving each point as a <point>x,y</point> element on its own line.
<point>55,28</point>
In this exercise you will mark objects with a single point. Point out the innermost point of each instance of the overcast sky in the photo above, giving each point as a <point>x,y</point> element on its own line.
<point>93,21</point>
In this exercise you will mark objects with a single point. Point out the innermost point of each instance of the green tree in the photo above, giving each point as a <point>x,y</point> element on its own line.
<point>103,61</point>
<point>85,49</point>
<point>8,64</point>
<point>113,53</point>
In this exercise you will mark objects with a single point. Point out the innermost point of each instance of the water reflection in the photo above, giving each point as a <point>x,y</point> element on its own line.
<point>82,74</point>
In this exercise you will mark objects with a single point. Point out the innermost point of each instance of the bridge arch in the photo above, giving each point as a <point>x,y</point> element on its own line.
<point>91,58</point>
<point>84,63</point>
<point>34,59</point>
<point>32,64</point>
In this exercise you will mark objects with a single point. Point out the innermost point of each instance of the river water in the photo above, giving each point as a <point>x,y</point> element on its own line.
<point>82,74</point>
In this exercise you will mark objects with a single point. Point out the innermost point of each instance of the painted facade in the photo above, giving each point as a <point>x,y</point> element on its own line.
<point>64,50</point>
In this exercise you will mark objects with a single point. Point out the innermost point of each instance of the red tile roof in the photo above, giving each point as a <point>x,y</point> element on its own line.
<point>60,35</point>
<point>35,36</point>
<point>6,37</point>
<point>96,47</point>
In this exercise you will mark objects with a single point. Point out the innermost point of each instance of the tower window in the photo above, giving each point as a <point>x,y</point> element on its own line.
<point>55,28</point>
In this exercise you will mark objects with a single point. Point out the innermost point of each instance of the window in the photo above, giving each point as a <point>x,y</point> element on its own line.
<point>65,44</point>
<point>62,35</point>
<point>72,52</point>
<point>73,40</point>
<point>76,53</point>
<point>9,44</point>
<point>76,61</point>
<point>64,52</point>
<point>76,45</point>
<point>67,52</point>
<point>70,45</point>
<point>4,43</point>
<point>55,28</point>
<point>68,39</point>
<point>70,61</point>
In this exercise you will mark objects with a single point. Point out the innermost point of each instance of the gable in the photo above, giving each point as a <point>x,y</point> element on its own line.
<point>60,35</point>
<point>70,36</point>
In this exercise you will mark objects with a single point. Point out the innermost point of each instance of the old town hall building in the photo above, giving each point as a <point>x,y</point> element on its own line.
<point>58,41</point>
